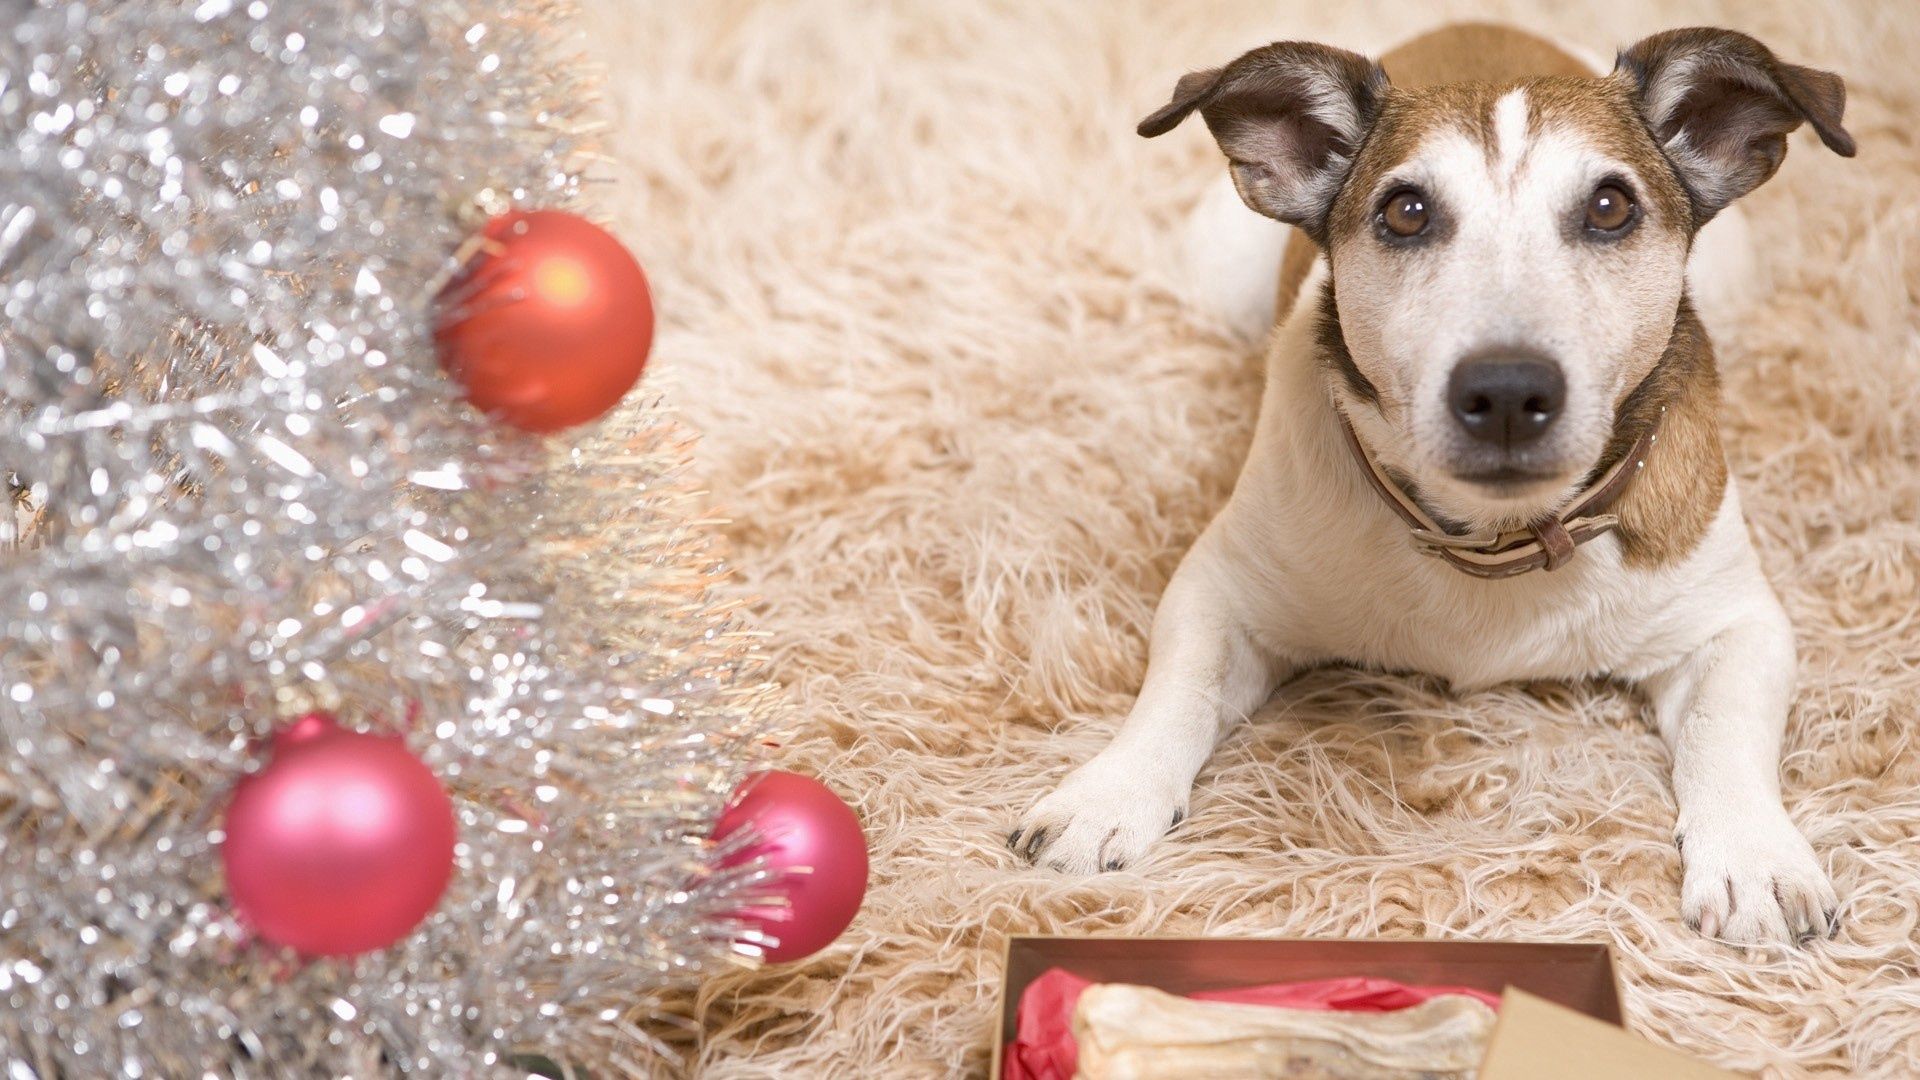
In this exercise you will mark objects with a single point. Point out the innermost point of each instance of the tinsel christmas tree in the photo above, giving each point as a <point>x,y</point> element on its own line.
<point>243,490</point>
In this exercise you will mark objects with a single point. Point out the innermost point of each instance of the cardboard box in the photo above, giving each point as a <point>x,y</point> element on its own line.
<point>1580,976</point>
<point>1535,1038</point>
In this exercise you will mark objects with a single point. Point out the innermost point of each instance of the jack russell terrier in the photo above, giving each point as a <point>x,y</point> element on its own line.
<point>1488,445</point>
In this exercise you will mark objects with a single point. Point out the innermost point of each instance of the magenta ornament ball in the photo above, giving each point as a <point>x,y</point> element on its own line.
<point>813,838</point>
<point>341,845</point>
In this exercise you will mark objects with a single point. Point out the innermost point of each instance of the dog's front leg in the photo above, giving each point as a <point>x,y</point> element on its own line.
<point>1202,672</point>
<point>1749,876</point>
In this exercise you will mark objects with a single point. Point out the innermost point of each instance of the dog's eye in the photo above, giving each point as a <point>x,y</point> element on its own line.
<point>1405,213</point>
<point>1609,209</point>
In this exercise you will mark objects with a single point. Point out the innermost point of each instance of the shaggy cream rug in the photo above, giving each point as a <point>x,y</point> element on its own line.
<point>918,286</point>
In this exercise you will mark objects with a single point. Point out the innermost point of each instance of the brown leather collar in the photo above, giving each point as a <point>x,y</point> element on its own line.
<point>1547,544</point>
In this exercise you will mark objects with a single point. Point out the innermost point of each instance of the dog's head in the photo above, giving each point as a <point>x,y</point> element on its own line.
<point>1508,261</point>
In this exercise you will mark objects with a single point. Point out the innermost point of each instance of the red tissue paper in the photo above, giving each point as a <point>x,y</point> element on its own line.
<point>1043,1046</point>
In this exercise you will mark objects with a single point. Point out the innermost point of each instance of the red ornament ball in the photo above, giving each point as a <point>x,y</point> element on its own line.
<point>813,838</point>
<point>550,325</point>
<point>342,844</point>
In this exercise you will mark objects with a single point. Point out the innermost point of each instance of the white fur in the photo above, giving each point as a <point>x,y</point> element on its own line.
<point>1232,260</point>
<point>1723,272</point>
<point>1510,129</point>
<point>1306,566</point>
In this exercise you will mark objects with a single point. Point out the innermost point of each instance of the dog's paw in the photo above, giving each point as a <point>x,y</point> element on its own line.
<point>1104,815</point>
<point>1755,883</point>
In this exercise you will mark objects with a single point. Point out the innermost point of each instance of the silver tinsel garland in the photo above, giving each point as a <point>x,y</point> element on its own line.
<point>241,489</point>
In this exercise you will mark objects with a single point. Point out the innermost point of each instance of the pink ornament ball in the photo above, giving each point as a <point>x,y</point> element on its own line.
<point>813,838</point>
<point>341,845</point>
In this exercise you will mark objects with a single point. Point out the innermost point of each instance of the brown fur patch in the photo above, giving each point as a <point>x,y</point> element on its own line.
<point>1666,512</point>
<point>1478,52</point>
<point>1407,117</point>
<point>1296,262</point>
<point>1331,344</point>
<point>1603,111</point>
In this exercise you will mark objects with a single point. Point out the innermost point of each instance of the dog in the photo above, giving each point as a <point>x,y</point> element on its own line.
<point>1487,446</point>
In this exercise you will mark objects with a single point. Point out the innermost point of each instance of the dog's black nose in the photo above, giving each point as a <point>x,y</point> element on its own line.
<point>1508,400</point>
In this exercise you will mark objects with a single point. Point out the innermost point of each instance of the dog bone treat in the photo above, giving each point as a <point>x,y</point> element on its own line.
<point>1136,1032</point>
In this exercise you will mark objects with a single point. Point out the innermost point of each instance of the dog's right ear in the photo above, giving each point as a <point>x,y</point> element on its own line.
<point>1290,118</point>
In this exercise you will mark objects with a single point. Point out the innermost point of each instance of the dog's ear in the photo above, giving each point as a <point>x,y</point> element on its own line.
<point>1290,118</point>
<point>1720,104</point>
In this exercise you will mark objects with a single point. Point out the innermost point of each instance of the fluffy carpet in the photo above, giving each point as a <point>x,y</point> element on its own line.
<point>918,285</point>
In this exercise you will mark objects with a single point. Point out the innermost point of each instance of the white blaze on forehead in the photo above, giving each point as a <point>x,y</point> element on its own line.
<point>1509,131</point>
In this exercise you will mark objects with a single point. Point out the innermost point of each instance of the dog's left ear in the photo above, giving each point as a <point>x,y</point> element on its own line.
<point>1290,117</point>
<point>1720,104</point>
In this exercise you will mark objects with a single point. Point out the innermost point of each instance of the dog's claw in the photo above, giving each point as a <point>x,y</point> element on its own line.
<point>1036,842</point>
<point>1013,840</point>
<point>1179,816</point>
